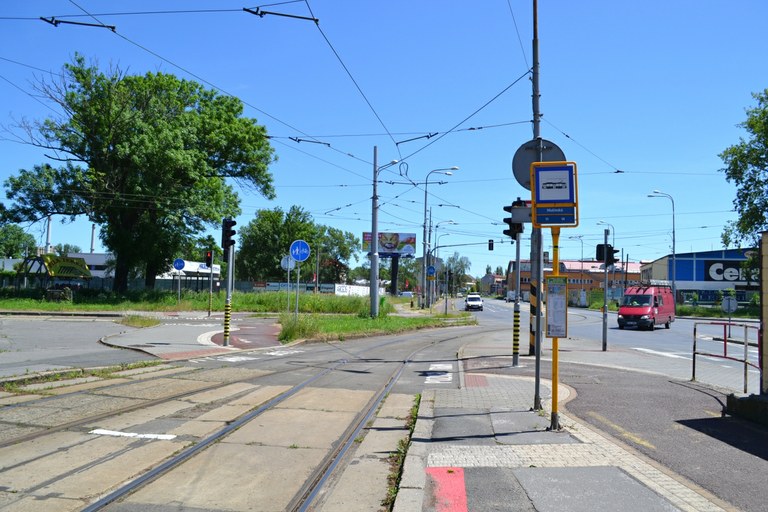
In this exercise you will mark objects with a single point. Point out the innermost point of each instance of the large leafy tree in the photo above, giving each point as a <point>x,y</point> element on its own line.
<point>15,243</point>
<point>266,239</point>
<point>152,159</point>
<point>747,167</point>
<point>335,249</point>
<point>458,266</point>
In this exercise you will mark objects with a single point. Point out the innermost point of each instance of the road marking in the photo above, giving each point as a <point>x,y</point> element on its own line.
<point>114,433</point>
<point>658,353</point>
<point>439,373</point>
<point>236,359</point>
<point>450,490</point>
<point>622,432</point>
<point>283,352</point>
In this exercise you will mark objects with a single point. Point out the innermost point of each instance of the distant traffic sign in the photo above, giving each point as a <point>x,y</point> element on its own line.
<point>178,264</point>
<point>299,250</point>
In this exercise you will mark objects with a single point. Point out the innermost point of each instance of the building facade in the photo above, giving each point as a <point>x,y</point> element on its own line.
<point>704,276</point>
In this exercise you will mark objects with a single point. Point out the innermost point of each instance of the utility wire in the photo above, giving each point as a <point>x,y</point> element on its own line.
<point>351,77</point>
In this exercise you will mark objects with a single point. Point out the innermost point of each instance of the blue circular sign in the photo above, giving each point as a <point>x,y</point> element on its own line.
<point>430,270</point>
<point>178,263</point>
<point>299,250</point>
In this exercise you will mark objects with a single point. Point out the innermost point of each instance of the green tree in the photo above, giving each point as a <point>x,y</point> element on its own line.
<point>459,265</point>
<point>336,249</point>
<point>266,239</point>
<point>64,249</point>
<point>159,160</point>
<point>746,166</point>
<point>15,243</point>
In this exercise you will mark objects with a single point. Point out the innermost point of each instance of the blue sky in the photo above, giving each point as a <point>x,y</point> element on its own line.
<point>653,89</point>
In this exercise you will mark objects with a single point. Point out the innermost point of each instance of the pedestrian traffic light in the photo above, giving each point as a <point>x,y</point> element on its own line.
<point>226,234</point>
<point>490,244</point>
<point>209,259</point>
<point>514,228</point>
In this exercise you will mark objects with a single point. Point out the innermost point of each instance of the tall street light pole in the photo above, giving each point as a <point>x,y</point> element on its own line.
<point>658,193</point>
<point>446,171</point>
<point>374,286</point>
<point>434,286</point>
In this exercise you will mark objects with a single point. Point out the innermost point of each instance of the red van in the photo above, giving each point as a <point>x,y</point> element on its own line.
<point>646,306</point>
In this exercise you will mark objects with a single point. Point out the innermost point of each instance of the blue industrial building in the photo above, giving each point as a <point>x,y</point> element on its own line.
<point>705,274</point>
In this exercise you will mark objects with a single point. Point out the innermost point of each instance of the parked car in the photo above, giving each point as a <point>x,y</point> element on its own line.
<point>406,294</point>
<point>645,306</point>
<point>473,301</point>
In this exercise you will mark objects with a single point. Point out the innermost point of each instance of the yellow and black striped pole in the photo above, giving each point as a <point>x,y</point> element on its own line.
<point>516,335</point>
<point>534,302</point>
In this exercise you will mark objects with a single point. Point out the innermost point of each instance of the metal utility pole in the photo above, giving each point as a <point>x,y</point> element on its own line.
<point>375,238</point>
<point>516,319</point>
<point>605,293</point>
<point>537,271</point>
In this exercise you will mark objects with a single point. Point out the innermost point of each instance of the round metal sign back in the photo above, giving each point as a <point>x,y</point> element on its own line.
<point>287,263</point>
<point>528,153</point>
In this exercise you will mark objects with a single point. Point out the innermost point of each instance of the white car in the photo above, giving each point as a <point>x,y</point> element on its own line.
<point>473,301</point>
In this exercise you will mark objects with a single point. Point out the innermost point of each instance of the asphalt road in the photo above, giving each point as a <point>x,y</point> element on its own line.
<point>40,344</point>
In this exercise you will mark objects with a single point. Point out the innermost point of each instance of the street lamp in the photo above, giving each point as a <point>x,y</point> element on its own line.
<point>658,193</point>
<point>446,171</point>
<point>374,277</point>
<point>580,238</point>
<point>433,256</point>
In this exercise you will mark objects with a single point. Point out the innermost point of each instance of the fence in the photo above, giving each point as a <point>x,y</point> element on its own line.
<point>727,339</point>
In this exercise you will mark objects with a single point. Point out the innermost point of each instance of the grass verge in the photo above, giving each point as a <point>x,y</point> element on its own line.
<point>397,458</point>
<point>341,327</point>
<point>15,386</point>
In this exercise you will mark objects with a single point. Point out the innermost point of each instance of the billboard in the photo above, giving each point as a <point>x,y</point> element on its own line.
<point>392,243</point>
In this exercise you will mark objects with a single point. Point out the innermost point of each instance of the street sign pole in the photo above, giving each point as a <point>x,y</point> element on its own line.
<point>210,286</point>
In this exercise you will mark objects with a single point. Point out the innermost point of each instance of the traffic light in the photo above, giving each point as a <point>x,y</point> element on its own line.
<point>226,235</point>
<point>209,259</point>
<point>490,244</point>
<point>514,228</point>
<point>600,252</point>
<point>606,253</point>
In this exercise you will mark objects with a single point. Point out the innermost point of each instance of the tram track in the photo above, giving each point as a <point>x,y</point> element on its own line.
<point>323,371</point>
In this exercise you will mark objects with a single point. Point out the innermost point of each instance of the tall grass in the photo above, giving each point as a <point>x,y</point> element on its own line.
<point>262,302</point>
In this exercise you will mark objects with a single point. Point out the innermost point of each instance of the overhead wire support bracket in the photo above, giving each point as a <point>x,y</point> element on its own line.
<point>427,136</point>
<point>297,139</point>
<point>53,21</point>
<point>258,12</point>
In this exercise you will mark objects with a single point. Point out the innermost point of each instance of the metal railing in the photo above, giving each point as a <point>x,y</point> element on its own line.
<point>729,339</point>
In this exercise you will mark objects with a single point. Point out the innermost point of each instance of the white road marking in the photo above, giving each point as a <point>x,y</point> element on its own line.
<point>657,353</point>
<point>114,433</point>
<point>283,352</point>
<point>236,359</point>
<point>439,373</point>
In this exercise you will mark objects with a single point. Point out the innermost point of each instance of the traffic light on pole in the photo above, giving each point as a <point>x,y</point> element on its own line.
<point>209,259</point>
<point>610,255</point>
<point>514,228</point>
<point>226,235</point>
<point>600,252</point>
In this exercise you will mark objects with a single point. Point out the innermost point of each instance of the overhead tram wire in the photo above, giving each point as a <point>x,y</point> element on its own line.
<point>211,84</point>
<point>349,73</point>
<point>470,116</point>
